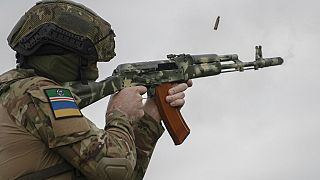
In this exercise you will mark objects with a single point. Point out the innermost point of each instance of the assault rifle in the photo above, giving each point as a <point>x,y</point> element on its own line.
<point>158,77</point>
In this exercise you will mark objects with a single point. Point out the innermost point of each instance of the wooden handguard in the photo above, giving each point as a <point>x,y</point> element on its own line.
<point>171,116</point>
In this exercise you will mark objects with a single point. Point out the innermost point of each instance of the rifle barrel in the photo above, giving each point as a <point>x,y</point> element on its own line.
<point>259,63</point>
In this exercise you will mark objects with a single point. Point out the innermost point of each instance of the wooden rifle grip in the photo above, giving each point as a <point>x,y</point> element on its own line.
<point>172,118</point>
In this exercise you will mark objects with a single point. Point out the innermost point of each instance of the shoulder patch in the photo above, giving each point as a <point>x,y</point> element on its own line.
<point>62,103</point>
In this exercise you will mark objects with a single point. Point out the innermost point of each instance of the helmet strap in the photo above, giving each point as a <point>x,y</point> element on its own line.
<point>83,67</point>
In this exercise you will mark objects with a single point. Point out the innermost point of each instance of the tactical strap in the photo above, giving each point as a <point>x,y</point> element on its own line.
<point>52,171</point>
<point>83,67</point>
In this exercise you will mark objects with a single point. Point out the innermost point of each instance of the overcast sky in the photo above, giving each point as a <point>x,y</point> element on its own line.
<point>244,126</point>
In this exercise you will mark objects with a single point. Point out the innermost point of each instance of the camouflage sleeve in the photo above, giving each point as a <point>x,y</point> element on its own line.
<point>116,141</point>
<point>75,137</point>
<point>147,131</point>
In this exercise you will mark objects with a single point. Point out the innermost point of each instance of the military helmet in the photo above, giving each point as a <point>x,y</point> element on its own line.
<point>65,24</point>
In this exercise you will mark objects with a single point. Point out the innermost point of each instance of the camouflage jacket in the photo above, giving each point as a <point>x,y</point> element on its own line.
<point>33,138</point>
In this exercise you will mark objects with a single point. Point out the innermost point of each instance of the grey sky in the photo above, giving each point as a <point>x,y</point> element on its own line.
<point>244,126</point>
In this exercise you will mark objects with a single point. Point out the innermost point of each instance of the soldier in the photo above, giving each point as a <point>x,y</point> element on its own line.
<point>43,133</point>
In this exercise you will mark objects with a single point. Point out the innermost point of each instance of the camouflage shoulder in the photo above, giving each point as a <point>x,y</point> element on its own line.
<point>16,74</point>
<point>14,93</point>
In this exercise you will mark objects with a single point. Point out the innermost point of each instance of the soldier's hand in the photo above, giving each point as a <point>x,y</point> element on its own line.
<point>175,98</point>
<point>176,94</point>
<point>129,102</point>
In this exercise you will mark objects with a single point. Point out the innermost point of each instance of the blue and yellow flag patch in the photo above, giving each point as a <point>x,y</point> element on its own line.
<point>62,103</point>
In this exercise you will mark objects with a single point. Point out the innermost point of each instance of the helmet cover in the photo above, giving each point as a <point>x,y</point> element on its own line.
<point>66,24</point>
